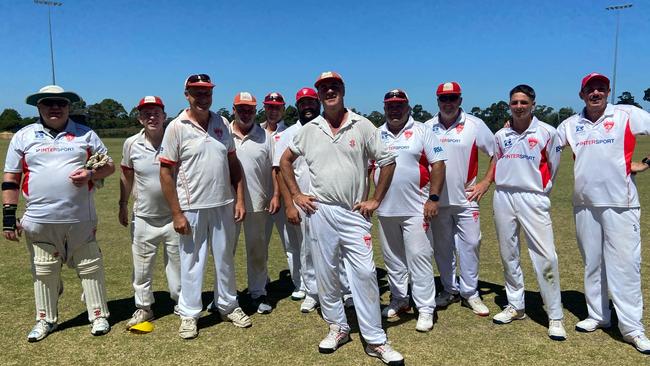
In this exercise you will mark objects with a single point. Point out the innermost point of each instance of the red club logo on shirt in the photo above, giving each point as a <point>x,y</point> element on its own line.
<point>367,239</point>
<point>425,225</point>
<point>608,125</point>
<point>475,215</point>
<point>69,136</point>
<point>532,142</point>
<point>41,315</point>
<point>408,134</point>
<point>218,132</point>
<point>276,138</point>
<point>353,143</point>
<point>460,127</point>
<point>98,312</point>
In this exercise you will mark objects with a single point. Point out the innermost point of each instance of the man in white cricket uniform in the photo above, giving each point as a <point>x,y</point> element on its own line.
<point>59,222</point>
<point>198,167</point>
<point>527,160</point>
<point>457,227</point>
<point>255,152</point>
<point>290,235</point>
<point>607,209</point>
<point>308,108</point>
<point>152,224</point>
<point>407,209</point>
<point>337,146</point>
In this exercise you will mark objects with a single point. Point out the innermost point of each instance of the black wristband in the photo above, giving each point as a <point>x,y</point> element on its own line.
<point>646,161</point>
<point>434,198</point>
<point>9,186</point>
<point>9,217</point>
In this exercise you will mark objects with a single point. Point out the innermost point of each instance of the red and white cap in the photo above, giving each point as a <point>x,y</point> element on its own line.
<point>326,76</point>
<point>151,100</point>
<point>306,93</point>
<point>198,80</point>
<point>594,76</point>
<point>450,87</point>
<point>396,96</point>
<point>274,98</point>
<point>245,98</point>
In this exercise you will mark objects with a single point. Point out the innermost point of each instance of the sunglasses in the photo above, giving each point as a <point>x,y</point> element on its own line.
<point>61,103</point>
<point>274,98</point>
<point>395,94</point>
<point>199,78</point>
<point>448,98</point>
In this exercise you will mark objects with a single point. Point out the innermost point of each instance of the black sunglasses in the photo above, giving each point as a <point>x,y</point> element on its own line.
<point>198,78</point>
<point>395,94</point>
<point>448,98</point>
<point>61,103</point>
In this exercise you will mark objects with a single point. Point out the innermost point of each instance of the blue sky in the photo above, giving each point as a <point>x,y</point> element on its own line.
<point>127,49</point>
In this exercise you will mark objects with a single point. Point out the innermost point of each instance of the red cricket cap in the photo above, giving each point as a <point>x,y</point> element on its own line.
<point>198,80</point>
<point>306,93</point>
<point>396,96</point>
<point>274,98</point>
<point>326,76</point>
<point>151,100</point>
<point>450,87</point>
<point>594,76</point>
<point>245,98</point>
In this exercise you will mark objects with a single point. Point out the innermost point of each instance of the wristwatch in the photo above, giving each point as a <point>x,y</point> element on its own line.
<point>646,161</point>
<point>434,198</point>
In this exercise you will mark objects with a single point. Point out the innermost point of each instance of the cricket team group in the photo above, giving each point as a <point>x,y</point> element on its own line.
<point>201,180</point>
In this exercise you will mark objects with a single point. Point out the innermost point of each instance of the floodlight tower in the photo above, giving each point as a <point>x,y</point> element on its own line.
<point>617,9</point>
<point>50,4</point>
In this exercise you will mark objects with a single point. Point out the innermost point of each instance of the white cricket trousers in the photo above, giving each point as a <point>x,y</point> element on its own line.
<point>344,235</point>
<point>213,227</point>
<point>408,252</point>
<point>257,234</point>
<point>52,245</point>
<point>148,233</point>
<point>307,273</point>
<point>531,212</point>
<point>609,240</point>
<point>292,241</point>
<point>457,239</point>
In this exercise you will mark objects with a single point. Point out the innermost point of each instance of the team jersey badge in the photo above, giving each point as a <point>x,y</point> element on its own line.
<point>367,239</point>
<point>408,134</point>
<point>353,143</point>
<point>459,128</point>
<point>608,125</point>
<point>507,143</point>
<point>69,136</point>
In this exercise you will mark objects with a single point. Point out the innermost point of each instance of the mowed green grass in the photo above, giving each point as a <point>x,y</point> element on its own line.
<point>288,337</point>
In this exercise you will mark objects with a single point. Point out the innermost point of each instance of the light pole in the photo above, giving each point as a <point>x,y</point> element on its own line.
<point>616,8</point>
<point>50,4</point>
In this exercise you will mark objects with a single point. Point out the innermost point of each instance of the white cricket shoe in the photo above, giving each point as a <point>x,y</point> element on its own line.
<point>508,315</point>
<point>139,316</point>
<point>556,330</point>
<point>298,295</point>
<point>335,339</point>
<point>445,299</point>
<point>263,305</point>
<point>100,326</point>
<point>188,329</point>
<point>212,307</point>
<point>385,353</point>
<point>41,330</point>
<point>425,322</point>
<point>395,308</point>
<point>641,343</point>
<point>177,310</point>
<point>239,318</point>
<point>590,325</point>
<point>476,304</point>
<point>308,305</point>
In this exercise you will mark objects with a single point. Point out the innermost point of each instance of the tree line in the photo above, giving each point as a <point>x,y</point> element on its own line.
<point>110,119</point>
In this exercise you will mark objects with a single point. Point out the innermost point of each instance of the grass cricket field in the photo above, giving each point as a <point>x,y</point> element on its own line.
<point>288,337</point>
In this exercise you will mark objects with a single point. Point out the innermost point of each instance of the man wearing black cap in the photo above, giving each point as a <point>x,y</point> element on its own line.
<point>152,224</point>
<point>607,209</point>
<point>50,156</point>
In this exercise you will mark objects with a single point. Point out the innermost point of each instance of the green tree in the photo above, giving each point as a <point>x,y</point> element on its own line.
<point>79,112</point>
<point>494,116</point>
<point>260,116</point>
<point>646,95</point>
<point>290,115</point>
<point>543,113</point>
<point>377,118</point>
<point>627,98</point>
<point>225,113</point>
<point>420,114</point>
<point>108,113</point>
<point>10,120</point>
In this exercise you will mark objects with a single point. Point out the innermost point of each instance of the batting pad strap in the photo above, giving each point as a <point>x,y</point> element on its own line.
<point>9,186</point>
<point>9,217</point>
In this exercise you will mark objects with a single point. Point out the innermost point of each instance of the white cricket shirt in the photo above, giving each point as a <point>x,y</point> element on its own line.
<point>527,162</point>
<point>338,163</point>
<point>255,152</point>
<point>461,142</point>
<point>603,155</point>
<point>300,168</point>
<point>201,161</point>
<point>415,148</point>
<point>46,162</point>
